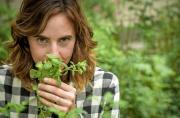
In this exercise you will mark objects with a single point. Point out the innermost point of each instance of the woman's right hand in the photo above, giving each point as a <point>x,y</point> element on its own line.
<point>60,97</point>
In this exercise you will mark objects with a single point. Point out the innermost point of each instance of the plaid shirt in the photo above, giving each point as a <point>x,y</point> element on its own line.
<point>11,90</point>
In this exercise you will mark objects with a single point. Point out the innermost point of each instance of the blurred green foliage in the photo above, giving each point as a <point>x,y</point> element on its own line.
<point>149,77</point>
<point>6,16</point>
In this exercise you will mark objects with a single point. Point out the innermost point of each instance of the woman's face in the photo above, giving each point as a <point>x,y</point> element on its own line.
<point>58,38</point>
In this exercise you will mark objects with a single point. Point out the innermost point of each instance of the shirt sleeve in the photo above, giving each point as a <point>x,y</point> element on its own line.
<point>115,112</point>
<point>92,99</point>
<point>110,100</point>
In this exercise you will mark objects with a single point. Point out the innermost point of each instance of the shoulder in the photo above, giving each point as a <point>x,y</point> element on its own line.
<point>5,70</point>
<point>106,78</point>
<point>5,74</point>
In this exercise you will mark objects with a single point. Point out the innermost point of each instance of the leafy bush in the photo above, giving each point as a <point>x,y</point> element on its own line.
<point>6,15</point>
<point>144,76</point>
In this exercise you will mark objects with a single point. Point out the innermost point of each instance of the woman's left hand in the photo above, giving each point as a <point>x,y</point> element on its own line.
<point>60,97</point>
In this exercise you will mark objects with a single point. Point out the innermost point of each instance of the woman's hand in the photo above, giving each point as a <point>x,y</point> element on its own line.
<point>60,97</point>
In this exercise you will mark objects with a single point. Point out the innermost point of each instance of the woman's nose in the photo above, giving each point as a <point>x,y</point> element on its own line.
<point>54,50</point>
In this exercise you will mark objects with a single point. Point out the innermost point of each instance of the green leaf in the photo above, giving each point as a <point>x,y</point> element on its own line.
<point>33,73</point>
<point>39,65</point>
<point>47,65</point>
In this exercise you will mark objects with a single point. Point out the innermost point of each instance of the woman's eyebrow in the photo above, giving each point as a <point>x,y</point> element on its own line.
<point>66,37</point>
<point>63,37</point>
<point>42,36</point>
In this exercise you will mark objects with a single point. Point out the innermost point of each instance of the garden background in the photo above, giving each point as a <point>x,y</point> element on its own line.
<point>139,41</point>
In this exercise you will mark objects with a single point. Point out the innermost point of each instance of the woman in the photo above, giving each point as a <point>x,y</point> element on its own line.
<point>57,27</point>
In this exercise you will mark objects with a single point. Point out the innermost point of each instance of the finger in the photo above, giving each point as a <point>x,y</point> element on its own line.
<point>67,87</point>
<point>64,86</point>
<point>57,91</point>
<point>54,98</point>
<point>50,81</point>
<point>52,104</point>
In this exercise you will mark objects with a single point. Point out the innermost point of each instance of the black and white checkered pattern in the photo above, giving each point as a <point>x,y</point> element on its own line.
<point>11,90</point>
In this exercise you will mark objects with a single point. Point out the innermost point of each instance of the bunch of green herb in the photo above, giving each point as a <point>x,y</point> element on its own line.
<point>54,68</point>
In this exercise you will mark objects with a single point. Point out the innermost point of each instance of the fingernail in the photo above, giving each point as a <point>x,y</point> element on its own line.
<point>46,79</point>
<point>38,92</point>
<point>39,85</point>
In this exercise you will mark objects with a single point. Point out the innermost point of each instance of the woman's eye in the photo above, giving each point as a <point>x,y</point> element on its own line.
<point>42,41</point>
<point>64,41</point>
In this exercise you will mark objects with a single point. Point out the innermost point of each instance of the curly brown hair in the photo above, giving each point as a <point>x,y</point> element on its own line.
<point>32,19</point>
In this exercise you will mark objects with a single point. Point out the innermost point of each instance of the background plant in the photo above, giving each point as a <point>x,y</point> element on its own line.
<point>6,16</point>
<point>148,71</point>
